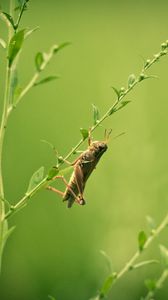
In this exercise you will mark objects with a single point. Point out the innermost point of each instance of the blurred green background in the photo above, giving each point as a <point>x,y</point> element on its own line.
<point>56,251</point>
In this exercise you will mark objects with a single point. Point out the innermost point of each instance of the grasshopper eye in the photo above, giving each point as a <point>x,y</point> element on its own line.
<point>102,147</point>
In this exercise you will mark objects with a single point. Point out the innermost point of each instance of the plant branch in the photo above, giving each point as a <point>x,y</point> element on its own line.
<point>158,285</point>
<point>130,264</point>
<point>116,106</point>
<point>3,126</point>
<point>45,58</point>
<point>20,14</point>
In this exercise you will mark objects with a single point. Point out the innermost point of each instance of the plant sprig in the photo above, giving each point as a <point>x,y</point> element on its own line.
<point>13,93</point>
<point>153,285</point>
<point>130,265</point>
<point>117,105</point>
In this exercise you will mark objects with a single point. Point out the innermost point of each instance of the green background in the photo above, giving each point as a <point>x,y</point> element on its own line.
<point>56,251</point>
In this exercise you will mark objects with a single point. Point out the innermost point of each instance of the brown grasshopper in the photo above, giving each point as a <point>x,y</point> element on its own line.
<point>83,167</point>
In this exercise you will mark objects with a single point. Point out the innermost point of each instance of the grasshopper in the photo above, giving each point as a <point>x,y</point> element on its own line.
<point>83,167</point>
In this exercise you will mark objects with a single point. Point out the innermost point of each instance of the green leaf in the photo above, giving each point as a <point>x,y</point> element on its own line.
<point>36,178</point>
<point>15,88</point>
<point>8,19</point>
<point>3,43</point>
<point>29,32</point>
<point>151,223</point>
<point>47,79</point>
<point>96,115</point>
<point>15,45</point>
<point>131,80</point>
<point>17,92</point>
<point>52,173</point>
<point>85,133</point>
<point>107,285</point>
<point>108,260</point>
<point>14,83</point>
<point>39,60</point>
<point>51,297</point>
<point>122,104</point>
<point>57,48</point>
<point>144,263</point>
<point>164,254</point>
<point>150,284</point>
<point>22,2</point>
<point>6,232</point>
<point>66,171</point>
<point>142,238</point>
<point>116,91</point>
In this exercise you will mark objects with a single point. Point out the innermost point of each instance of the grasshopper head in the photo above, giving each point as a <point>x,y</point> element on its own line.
<point>99,148</point>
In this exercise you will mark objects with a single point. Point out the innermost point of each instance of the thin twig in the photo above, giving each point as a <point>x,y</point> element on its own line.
<point>129,265</point>
<point>110,111</point>
<point>158,285</point>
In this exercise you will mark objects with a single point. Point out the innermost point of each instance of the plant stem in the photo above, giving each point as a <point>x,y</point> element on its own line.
<point>156,232</point>
<point>2,135</point>
<point>23,201</point>
<point>20,15</point>
<point>28,86</point>
<point>128,266</point>
<point>111,110</point>
<point>159,284</point>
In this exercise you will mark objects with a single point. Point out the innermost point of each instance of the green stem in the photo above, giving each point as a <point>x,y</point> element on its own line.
<point>20,15</point>
<point>128,266</point>
<point>159,283</point>
<point>2,135</point>
<point>27,196</point>
<point>29,86</point>
<point>139,79</point>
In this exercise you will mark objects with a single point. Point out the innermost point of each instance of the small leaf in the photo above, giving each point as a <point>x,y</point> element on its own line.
<point>56,48</point>
<point>3,43</point>
<point>151,223</point>
<point>8,19</point>
<point>51,297</point>
<point>66,171</point>
<point>122,104</point>
<point>150,284</point>
<point>144,263</point>
<point>85,133</point>
<point>15,45</point>
<point>116,91</point>
<point>107,285</point>
<point>108,260</point>
<point>142,238</point>
<point>36,178</point>
<point>96,115</point>
<point>52,173</point>
<point>28,33</point>
<point>39,59</point>
<point>6,232</point>
<point>47,79</point>
<point>164,254</point>
<point>17,92</point>
<point>14,83</point>
<point>131,80</point>
<point>23,2</point>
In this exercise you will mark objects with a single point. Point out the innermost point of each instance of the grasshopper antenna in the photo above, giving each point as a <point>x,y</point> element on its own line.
<point>120,134</point>
<point>107,135</point>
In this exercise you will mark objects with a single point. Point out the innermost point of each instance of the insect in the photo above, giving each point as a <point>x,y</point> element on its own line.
<point>83,167</point>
